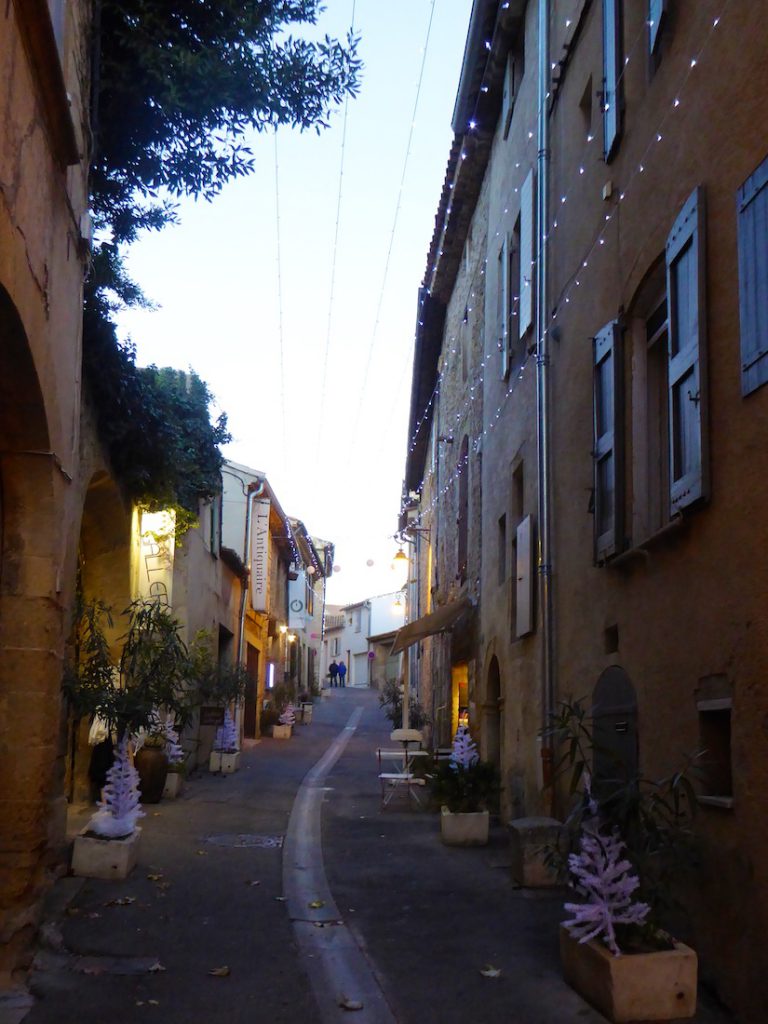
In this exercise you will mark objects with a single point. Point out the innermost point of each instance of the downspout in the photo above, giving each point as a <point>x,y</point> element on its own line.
<point>543,426</point>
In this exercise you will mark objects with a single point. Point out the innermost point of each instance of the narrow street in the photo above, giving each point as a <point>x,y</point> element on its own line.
<point>405,927</point>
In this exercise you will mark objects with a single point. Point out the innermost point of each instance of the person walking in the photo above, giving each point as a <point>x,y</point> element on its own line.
<point>333,671</point>
<point>342,673</point>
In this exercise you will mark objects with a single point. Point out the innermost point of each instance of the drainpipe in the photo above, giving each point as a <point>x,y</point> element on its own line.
<point>543,425</point>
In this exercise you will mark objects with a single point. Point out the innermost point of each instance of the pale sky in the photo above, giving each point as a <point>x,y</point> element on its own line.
<point>335,456</point>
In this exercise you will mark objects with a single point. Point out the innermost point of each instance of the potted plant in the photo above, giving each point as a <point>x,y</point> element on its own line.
<point>225,756</point>
<point>627,838</point>
<point>463,787</point>
<point>176,758</point>
<point>306,706</point>
<point>285,723</point>
<point>219,686</point>
<point>391,702</point>
<point>148,670</point>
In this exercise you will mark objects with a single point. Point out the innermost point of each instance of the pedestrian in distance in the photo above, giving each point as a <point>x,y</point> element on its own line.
<point>333,671</point>
<point>342,673</point>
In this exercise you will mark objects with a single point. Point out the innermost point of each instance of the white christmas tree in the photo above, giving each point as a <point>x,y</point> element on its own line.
<point>464,754</point>
<point>119,808</point>
<point>173,749</point>
<point>288,717</point>
<point>603,877</point>
<point>226,735</point>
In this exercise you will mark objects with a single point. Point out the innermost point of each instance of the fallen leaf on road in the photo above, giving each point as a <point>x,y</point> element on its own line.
<point>316,904</point>
<point>163,885</point>
<point>92,917</point>
<point>252,883</point>
<point>139,1002</point>
<point>156,814</point>
<point>220,972</point>
<point>122,901</point>
<point>350,1004</point>
<point>202,853</point>
<point>93,970</point>
<point>156,967</point>
<point>153,1002</point>
<point>281,899</point>
<point>72,911</point>
<point>489,971</point>
<point>154,878</point>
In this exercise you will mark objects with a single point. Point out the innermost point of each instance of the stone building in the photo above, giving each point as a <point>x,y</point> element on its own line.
<point>617,535</point>
<point>44,244</point>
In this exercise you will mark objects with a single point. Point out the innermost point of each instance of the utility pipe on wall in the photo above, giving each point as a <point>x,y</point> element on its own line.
<point>543,426</point>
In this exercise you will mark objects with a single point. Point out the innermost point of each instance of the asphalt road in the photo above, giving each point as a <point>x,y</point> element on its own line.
<point>225,880</point>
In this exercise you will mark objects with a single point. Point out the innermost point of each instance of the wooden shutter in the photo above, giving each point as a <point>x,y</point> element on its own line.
<point>526,253</point>
<point>752,205</point>
<point>656,11</point>
<point>508,96</point>
<point>687,355</point>
<point>524,583</point>
<point>503,285</point>
<point>612,62</point>
<point>608,441</point>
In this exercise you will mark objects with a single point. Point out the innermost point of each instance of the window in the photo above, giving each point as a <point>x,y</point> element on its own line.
<point>715,734</point>
<point>687,366</point>
<point>608,441</point>
<point>513,75</point>
<point>585,106</point>
<point>613,62</point>
<point>215,525</point>
<point>752,206</point>
<point>507,302</point>
<point>358,619</point>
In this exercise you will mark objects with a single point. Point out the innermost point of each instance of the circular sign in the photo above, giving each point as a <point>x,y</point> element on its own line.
<point>369,563</point>
<point>337,568</point>
<point>371,655</point>
<point>297,605</point>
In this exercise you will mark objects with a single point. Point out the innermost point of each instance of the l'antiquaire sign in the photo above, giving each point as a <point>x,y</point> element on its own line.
<point>260,556</point>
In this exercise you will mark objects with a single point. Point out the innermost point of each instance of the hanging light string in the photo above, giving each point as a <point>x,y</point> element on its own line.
<point>333,262</point>
<point>355,432</point>
<point>598,241</point>
<point>280,306</point>
<point>574,280</point>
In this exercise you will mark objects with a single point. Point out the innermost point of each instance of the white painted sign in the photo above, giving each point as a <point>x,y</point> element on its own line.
<point>297,609</point>
<point>260,555</point>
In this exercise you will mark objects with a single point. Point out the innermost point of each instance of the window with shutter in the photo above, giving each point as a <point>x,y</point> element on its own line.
<point>656,12</point>
<point>685,258</point>
<point>608,441</point>
<point>508,96</point>
<point>527,199</point>
<point>752,206</point>
<point>612,68</point>
<point>503,306</point>
<point>57,10</point>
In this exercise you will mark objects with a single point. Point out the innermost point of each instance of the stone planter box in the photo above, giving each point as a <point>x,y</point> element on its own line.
<point>174,784</point>
<point>465,829</point>
<point>282,732</point>
<point>529,840</point>
<point>306,713</point>
<point>105,858</point>
<point>632,987</point>
<point>224,762</point>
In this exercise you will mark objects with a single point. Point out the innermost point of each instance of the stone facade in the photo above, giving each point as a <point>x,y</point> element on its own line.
<point>659,413</point>
<point>43,218</point>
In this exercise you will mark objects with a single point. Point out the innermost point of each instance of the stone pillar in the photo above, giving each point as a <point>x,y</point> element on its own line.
<point>529,840</point>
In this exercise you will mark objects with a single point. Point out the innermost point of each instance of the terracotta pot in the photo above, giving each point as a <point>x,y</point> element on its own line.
<point>152,766</point>
<point>634,986</point>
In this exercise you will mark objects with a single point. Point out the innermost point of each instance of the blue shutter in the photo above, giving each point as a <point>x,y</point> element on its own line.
<point>612,67</point>
<point>656,10</point>
<point>752,205</point>
<point>608,423</point>
<point>686,273</point>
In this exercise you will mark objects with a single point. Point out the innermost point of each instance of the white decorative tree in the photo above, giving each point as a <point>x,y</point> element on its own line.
<point>288,717</point>
<point>603,877</point>
<point>119,809</point>
<point>226,735</point>
<point>173,749</point>
<point>464,754</point>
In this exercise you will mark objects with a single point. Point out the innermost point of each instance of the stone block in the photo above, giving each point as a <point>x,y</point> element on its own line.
<point>282,732</point>
<point>658,986</point>
<point>105,858</point>
<point>529,839</point>
<point>465,829</point>
<point>230,762</point>
<point>174,784</point>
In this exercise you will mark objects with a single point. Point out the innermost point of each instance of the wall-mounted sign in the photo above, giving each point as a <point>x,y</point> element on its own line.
<point>260,556</point>
<point>297,610</point>
<point>211,716</point>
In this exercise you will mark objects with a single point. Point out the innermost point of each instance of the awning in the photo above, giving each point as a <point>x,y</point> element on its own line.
<point>439,621</point>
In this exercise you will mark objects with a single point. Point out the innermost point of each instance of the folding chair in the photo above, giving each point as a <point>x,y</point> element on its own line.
<point>395,780</point>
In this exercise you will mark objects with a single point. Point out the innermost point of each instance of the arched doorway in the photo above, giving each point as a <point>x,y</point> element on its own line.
<point>614,714</point>
<point>492,714</point>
